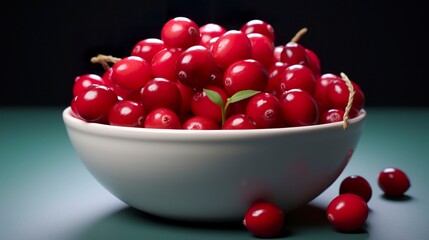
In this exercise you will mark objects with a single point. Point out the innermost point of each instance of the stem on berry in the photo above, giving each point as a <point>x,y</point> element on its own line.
<point>350,100</point>
<point>299,34</point>
<point>104,60</point>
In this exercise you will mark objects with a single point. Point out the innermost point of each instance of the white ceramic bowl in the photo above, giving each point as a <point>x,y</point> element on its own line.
<point>213,175</point>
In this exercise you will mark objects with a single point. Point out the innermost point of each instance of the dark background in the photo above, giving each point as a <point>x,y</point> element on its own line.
<point>379,44</point>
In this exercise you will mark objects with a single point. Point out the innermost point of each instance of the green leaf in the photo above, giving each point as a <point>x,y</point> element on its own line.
<point>241,95</point>
<point>214,97</point>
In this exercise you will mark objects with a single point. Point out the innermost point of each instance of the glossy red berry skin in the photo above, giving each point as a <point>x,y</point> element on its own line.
<point>338,96</point>
<point>161,93</point>
<point>94,103</point>
<point>82,82</point>
<point>131,73</point>
<point>127,113</point>
<point>210,31</point>
<point>201,105</point>
<point>259,26</point>
<point>264,109</point>
<point>147,48</point>
<point>163,63</point>
<point>331,115</point>
<point>393,181</point>
<point>186,93</point>
<point>180,32</point>
<point>200,123</point>
<point>278,52</point>
<point>195,67</point>
<point>299,108</point>
<point>358,185</point>
<point>262,49</point>
<point>347,212</point>
<point>245,74</point>
<point>321,92</point>
<point>230,47</point>
<point>274,77</point>
<point>238,121</point>
<point>298,76</point>
<point>264,220</point>
<point>294,53</point>
<point>162,118</point>
<point>313,62</point>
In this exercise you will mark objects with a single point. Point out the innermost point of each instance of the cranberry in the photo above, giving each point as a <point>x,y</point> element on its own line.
<point>299,108</point>
<point>107,78</point>
<point>294,53</point>
<point>163,64</point>
<point>347,212</point>
<point>147,48</point>
<point>338,96</point>
<point>186,93</point>
<point>264,109</point>
<point>313,62</point>
<point>274,73</point>
<point>201,104</point>
<point>259,26</point>
<point>262,49</point>
<point>127,113</point>
<point>200,123</point>
<point>210,31</point>
<point>358,185</point>
<point>278,52</point>
<point>393,181</point>
<point>195,67</point>
<point>160,92</point>
<point>246,74</point>
<point>320,92</point>
<point>131,73</point>
<point>163,118</point>
<point>94,103</point>
<point>264,220</point>
<point>230,47</point>
<point>331,115</point>
<point>82,82</point>
<point>298,76</point>
<point>238,121</point>
<point>180,32</point>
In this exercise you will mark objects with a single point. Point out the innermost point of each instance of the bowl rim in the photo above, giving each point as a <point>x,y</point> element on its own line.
<point>105,129</point>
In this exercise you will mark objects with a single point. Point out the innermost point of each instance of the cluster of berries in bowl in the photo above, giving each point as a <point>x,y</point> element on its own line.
<point>207,77</point>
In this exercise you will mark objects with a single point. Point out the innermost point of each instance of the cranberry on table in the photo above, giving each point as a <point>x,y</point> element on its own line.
<point>180,32</point>
<point>127,113</point>
<point>264,220</point>
<point>347,212</point>
<point>358,185</point>
<point>162,118</point>
<point>393,181</point>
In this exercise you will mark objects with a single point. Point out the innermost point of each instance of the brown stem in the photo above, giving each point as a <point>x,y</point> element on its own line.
<point>104,60</point>
<point>350,100</point>
<point>299,34</point>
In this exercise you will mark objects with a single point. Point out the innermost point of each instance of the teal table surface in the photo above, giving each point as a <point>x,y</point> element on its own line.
<point>47,193</point>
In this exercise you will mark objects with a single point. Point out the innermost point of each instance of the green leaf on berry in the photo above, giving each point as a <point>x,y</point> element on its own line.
<point>238,96</point>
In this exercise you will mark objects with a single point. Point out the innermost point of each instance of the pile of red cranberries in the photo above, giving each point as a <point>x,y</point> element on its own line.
<point>207,77</point>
